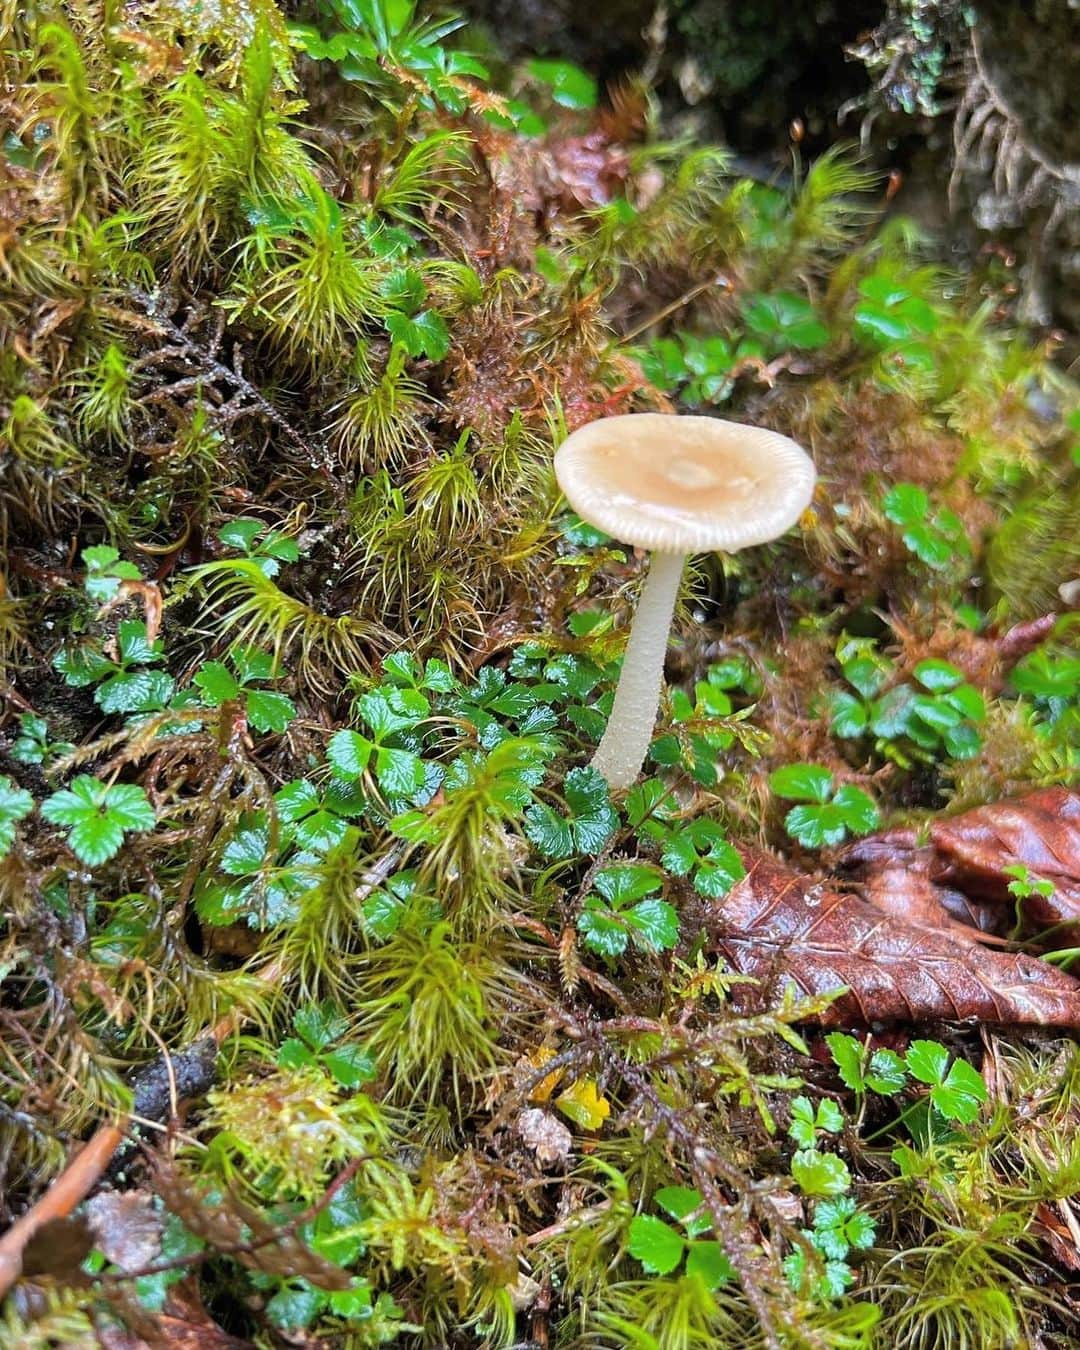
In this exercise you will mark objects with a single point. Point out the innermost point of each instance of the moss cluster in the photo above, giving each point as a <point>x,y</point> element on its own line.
<point>304,659</point>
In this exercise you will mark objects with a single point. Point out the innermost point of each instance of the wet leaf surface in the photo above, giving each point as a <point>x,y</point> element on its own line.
<point>783,928</point>
<point>968,859</point>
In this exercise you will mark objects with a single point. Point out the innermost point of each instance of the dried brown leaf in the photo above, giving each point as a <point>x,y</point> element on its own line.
<point>785,929</point>
<point>125,1227</point>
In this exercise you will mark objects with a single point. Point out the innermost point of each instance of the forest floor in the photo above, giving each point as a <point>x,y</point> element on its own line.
<point>342,1003</point>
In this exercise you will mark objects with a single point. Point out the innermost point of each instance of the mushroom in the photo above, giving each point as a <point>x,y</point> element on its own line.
<point>675,485</point>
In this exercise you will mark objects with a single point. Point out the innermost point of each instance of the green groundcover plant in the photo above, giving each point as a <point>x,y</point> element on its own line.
<point>303,661</point>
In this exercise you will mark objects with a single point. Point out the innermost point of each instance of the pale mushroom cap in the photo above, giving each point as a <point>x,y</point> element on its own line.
<point>684,484</point>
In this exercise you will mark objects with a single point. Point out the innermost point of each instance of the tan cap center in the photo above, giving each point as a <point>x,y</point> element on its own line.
<point>684,483</point>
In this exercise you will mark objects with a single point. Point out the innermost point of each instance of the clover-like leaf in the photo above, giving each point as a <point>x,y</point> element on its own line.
<point>656,1244</point>
<point>15,805</point>
<point>98,816</point>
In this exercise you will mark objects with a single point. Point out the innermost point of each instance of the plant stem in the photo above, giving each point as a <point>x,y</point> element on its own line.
<point>623,746</point>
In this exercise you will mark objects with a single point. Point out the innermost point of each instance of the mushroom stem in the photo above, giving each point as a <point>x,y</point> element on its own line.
<point>625,741</point>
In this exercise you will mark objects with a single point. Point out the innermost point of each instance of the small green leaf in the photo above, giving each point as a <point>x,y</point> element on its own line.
<point>847,1055</point>
<point>848,716</point>
<point>591,823</point>
<point>350,1065</point>
<point>656,1244</point>
<point>820,1173</point>
<point>296,1306</point>
<point>348,752</point>
<point>129,805</point>
<point>400,772</point>
<point>602,930</point>
<point>679,1201</point>
<point>98,816</point>
<point>886,1074</point>
<point>15,805</point>
<point>655,924</point>
<point>937,675</point>
<point>217,682</point>
<point>269,711</point>
<point>927,1061</point>
<point>423,334</point>
<point>294,1054</point>
<point>708,1261</point>
<point>570,86</point>
<point>801,1128</point>
<point>802,782</point>
<point>621,883</point>
<point>241,532</point>
<point>319,1024</point>
<point>858,810</point>
<point>816,826</point>
<point>961,1094</point>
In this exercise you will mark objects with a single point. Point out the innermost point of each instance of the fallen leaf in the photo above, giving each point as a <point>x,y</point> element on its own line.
<point>536,1059</point>
<point>784,929</point>
<point>901,884</point>
<point>184,1324</point>
<point>546,1135</point>
<point>584,1105</point>
<point>1040,831</point>
<point>966,864</point>
<point>125,1227</point>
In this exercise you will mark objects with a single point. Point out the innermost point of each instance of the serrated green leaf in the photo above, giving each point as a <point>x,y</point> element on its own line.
<point>602,930</point>
<point>644,800</point>
<point>95,839</point>
<point>296,1306</point>
<point>320,1024</point>
<point>801,1128</point>
<point>135,691</point>
<point>802,782</point>
<point>819,1173</point>
<point>857,809</point>
<point>886,1074</point>
<point>217,682</point>
<point>816,826</point>
<point>708,1261</point>
<point>620,883</point>
<point>294,1054</point>
<point>961,1094</point>
<point>848,716</point>
<point>655,924</point>
<point>15,805</point>
<point>269,711</point>
<point>246,851</point>
<point>847,1055</point>
<point>679,1201</point>
<point>655,1244</point>
<point>83,665</point>
<point>384,712</point>
<point>251,663</point>
<point>962,742</point>
<point>240,533</point>
<point>350,1065</point>
<point>128,804</point>
<point>400,772</point>
<point>349,753</point>
<point>423,334</point>
<point>928,1061</point>
<point>136,649</point>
